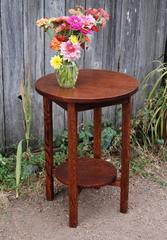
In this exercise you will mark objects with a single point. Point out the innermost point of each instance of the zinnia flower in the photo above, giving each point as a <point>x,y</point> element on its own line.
<point>88,21</point>
<point>73,39</point>
<point>74,12</point>
<point>55,44</point>
<point>79,7</point>
<point>42,22</point>
<point>103,22</point>
<point>61,19</point>
<point>51,20</point>
<point>95,29</point>
<point>75,22</point>
<point>56,62</point>
<point>86,31</point>
<point>70,51</point>
<point>61,28</point>
<point>87,39</point>
<point>94,12</point>
<point>104,14</point>
<point>62,38</point>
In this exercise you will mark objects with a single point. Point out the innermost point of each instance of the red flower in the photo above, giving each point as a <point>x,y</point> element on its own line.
<point>95,29</point>
<point>62,38</point>
<point>83,45</point>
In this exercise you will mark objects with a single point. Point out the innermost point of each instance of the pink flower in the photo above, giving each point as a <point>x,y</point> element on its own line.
<point>61,28</point>
<point>70,51</point>
<point>94,12</point>
<point>103,22</point>
<point>104,14</point>
<point>86,31</point>
<point>75,22</point>
<point>88,21</point>
<point>60,19</point>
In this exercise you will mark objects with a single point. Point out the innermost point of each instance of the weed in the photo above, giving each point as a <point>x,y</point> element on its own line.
<point>7,172</point>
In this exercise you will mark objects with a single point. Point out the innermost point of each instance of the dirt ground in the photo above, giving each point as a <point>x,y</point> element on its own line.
<point>34,218</point>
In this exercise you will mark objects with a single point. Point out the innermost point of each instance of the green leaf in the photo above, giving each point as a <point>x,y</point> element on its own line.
<point>18,165</point>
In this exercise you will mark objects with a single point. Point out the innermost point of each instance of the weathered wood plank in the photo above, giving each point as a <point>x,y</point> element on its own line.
<point>12,58</point>
<point>108,51</point>
<point>134,36</point>
<point>2,117</point>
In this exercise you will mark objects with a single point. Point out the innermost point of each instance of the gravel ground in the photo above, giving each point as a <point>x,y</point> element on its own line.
<point>34,218</point>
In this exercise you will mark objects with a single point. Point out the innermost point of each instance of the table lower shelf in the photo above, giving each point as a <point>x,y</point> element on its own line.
<point>92,172</point>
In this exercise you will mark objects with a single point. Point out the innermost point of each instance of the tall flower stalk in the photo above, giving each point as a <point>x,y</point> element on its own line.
<point>25,96</point>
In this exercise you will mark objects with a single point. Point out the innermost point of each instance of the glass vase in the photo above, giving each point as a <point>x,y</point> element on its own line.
<point>67,74</point>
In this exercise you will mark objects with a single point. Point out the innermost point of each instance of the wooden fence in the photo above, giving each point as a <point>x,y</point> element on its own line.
<point>134,36</point>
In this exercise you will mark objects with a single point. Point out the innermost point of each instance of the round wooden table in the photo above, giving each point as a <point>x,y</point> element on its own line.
<point>94,89</point>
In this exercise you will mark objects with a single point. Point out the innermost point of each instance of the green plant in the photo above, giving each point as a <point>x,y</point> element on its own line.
<point>108,134</point>
<point>60,140</point>
<point>7,172</point>
<point>59,157</point>
<point>27,115</point>
<point>85,137</point>
<point>156,103</point>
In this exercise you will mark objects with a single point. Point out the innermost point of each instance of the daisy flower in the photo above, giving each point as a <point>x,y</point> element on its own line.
<point>73,39</point>
<point>56,62</point>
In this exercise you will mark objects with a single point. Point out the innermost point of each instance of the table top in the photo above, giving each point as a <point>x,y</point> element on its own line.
<point>92,86</point>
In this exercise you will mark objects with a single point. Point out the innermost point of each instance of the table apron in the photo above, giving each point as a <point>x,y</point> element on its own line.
<point>88,106</point>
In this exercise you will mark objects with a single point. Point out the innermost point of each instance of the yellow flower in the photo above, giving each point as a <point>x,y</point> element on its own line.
<point>73,39</point>
<point>51,20</point>
<point>56,62</point>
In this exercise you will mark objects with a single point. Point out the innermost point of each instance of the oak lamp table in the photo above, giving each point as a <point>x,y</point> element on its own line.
<point>94,89</point>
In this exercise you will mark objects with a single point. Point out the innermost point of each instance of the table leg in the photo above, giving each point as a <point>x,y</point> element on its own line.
<point>72,165</point>
<point>97,132</point>
<point>48,136</point>
<point>126,113</point>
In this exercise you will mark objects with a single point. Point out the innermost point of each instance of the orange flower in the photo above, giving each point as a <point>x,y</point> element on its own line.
<point>74,12</point>
<point>79,7</point>
<point>55,44</point>
<point>86,39</point>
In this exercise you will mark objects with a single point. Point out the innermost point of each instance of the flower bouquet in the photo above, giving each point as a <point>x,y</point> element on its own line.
<point>68,36</point>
